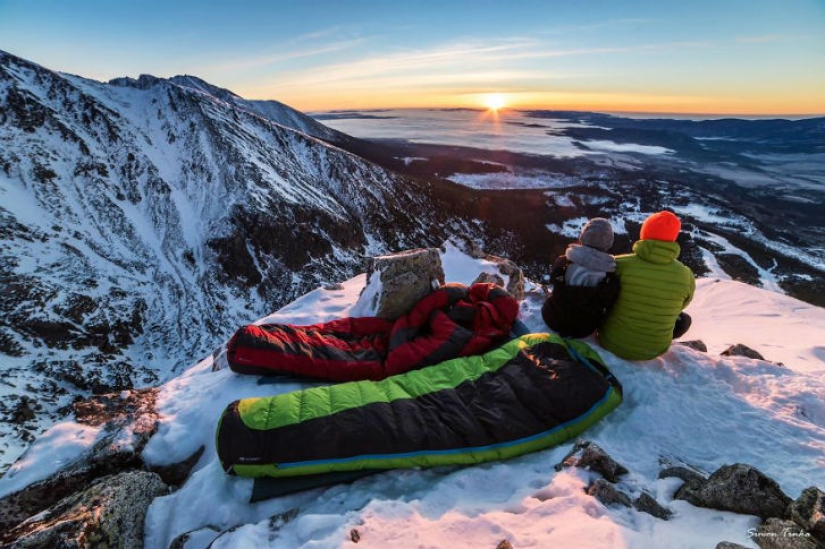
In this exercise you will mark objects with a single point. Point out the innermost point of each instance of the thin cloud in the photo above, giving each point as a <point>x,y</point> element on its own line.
<point>295,48</point>
<point>482,64</point>
<point>764,39</point>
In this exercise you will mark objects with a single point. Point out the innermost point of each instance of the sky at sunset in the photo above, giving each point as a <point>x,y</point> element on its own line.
<point>699,56</point>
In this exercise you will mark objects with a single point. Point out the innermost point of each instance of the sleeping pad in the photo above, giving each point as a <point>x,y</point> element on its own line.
<point>531,393</point>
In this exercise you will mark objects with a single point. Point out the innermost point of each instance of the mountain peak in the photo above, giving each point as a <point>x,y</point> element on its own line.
<point>188,81</point>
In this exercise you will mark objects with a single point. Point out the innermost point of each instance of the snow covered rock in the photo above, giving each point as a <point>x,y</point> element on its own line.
<point>510,273</point>
<point>738,488</point>
<point>588,455</point>
<point>686,474</point>
<point>607,493</point>
<point>742,350</point>
<point>396,282</point>
<point>489,278</point>
<point>123,422</point>
<point>110,513</point>
<point>648,504</point>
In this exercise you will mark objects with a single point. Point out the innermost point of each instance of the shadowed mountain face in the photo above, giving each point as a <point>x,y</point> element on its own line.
<point>142,221</point>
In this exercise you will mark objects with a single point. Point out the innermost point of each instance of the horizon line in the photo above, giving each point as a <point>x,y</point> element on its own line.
<point>557,109</point>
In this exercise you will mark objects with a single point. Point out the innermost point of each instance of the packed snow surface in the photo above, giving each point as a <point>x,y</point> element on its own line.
<point>685,407</point>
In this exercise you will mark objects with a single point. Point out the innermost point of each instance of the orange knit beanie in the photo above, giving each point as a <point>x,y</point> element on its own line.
<point>661,226</point>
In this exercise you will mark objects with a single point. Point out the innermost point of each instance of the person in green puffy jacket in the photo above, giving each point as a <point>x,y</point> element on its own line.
<point>655,288</point>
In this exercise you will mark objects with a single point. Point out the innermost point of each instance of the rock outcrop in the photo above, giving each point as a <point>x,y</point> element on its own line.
<point>110,513</point>
<point>738,488</point>
<point>396,282</point>
<point>101,498</point>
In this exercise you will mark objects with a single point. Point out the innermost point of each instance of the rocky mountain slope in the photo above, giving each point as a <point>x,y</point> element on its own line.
<point>142,221</point>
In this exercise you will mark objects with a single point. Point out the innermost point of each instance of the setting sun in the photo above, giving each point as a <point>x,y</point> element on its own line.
<point>494,101</point>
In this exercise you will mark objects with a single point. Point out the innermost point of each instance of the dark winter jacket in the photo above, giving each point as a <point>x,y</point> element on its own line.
<point>452,321</point>
<point>575,310</point>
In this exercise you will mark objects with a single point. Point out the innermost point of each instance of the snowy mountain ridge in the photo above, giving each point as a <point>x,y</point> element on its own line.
<point>141,221</point>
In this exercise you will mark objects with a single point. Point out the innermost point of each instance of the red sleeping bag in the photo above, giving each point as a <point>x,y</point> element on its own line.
<point>452,321</point>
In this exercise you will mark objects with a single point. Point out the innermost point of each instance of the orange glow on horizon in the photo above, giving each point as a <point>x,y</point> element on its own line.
<point>727,105</point>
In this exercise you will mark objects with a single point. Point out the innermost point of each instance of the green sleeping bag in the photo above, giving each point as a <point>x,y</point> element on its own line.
<point>529,394</point>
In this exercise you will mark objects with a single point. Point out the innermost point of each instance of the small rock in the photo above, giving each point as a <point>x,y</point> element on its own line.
<point>729,545</point>
<point>684,473</point>
<point>334,287</point>
<point>695,344</point>
<point>738,488</point>
<point>783,534</point>
<point>354,536</point>
<point>607,493</point>
<point>742,350</point>
<point>504,544</point>
<point>23,412</point>
<point>808,511</point>
<point>648,504</point>
<point>489,277</point>
<point>588,455</point>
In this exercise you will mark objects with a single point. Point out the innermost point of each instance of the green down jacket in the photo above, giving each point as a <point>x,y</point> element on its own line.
<point>655,287</point>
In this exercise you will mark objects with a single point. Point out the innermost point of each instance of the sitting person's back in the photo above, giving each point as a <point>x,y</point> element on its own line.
<point>584,284</point>
<point>655,289</point>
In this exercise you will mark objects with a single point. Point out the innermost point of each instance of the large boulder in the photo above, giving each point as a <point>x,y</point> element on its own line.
<point>738,488</point>
<point>395,283</point>
<point>110,513</point>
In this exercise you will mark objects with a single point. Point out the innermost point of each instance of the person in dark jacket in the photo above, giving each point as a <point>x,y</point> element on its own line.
<point>584,283</point>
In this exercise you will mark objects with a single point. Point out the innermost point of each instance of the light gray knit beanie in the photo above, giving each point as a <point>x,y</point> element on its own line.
<point>597,233</point>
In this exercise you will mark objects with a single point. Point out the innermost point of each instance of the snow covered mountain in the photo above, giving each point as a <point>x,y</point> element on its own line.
<point>142,221</point>
<point>686,407</point>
